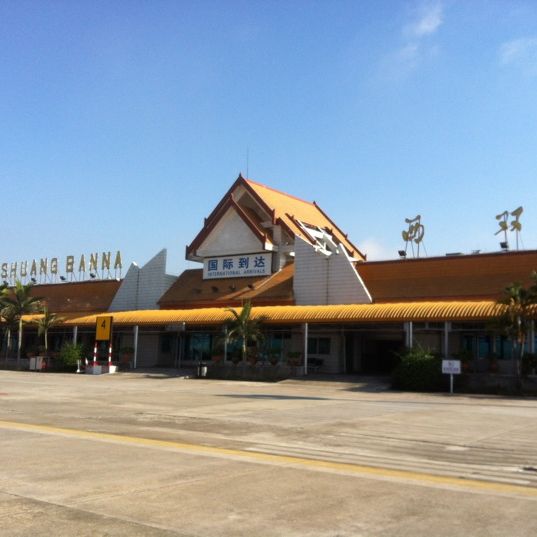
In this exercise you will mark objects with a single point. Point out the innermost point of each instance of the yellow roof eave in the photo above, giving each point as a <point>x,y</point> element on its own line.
<point>345,313</point>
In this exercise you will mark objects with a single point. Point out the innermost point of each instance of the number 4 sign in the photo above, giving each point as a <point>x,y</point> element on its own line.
<point>103,329</point>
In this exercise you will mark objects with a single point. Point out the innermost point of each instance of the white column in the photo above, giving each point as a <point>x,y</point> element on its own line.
<point>446,339</point>
<point>75,334</point>
<point>182,343</point>
<point>409,334</point>
<point>135,359</point>
<point>305,348</point>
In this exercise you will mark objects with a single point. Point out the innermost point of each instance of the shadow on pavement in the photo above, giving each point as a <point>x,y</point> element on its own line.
<point>282,397</point>
<point>353,383</point>
<point>159,373</point>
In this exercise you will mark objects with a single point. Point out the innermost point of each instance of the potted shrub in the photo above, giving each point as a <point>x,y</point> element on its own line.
<point>71,355</point>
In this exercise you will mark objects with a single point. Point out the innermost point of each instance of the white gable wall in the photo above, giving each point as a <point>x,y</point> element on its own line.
<point>231,236</point>
<point>326,279</point>
<point>310,279</point>
<point>142,287</point>
<point>124,300</point>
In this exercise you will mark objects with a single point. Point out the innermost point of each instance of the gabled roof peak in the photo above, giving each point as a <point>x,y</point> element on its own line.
<point>282,208</point>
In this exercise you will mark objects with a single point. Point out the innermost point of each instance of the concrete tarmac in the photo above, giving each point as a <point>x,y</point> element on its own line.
<point>157,455</point>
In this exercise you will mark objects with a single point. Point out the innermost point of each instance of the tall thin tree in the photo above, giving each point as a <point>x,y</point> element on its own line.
<point>45,323</point>
<point>518,313</point>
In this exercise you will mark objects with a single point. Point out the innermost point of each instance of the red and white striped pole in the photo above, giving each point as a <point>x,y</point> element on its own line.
<point>95,355</point>
<point>109,355</point>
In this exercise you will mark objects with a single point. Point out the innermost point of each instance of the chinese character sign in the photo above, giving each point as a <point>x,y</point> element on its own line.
<point>503,222</point>
<point>237,266</point>
<point>414,234</point>
<point>515,224</point>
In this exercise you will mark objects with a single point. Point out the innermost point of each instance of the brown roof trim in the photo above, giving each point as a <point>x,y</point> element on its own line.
<point>300,229</point>
<point>210,224</point>
<point>222,204</point>
<point>239,180</point>
<point>257,197</point>
<point>263,204</point>
<point>452,258</point>
<point>261,235</point>
<point>209,219</point>
<point>245,183</point>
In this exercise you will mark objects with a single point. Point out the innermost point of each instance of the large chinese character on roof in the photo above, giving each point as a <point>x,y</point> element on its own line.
<point>414,234</point>
<point>516,225</point>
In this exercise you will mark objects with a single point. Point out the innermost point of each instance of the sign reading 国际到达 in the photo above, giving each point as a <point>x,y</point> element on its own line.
<point>237,266</point>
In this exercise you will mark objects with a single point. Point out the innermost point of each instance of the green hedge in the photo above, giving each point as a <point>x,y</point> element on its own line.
<point>419,370</point>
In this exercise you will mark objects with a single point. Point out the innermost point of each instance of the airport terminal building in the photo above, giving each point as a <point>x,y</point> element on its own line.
<point>319,297</point>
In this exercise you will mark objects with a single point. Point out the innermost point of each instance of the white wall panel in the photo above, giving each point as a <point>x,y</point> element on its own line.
<point>326,279</point>
<point>142,287</point>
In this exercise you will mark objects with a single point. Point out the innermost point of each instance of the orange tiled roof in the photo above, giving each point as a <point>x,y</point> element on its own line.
<point>482,276</point>
<point>77,297</point>
<point>291,209</point>
<point>190,290</point>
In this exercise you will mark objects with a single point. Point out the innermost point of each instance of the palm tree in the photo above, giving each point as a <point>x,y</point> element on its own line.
<point>518,312</point>
<point>19,302</point>
<point>10,325</point>
<point>243,328</point>
<point>46,322</point>
<point>7,326</point>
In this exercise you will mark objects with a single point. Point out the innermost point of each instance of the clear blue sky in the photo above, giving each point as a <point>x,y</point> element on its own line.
<point>123,123</point>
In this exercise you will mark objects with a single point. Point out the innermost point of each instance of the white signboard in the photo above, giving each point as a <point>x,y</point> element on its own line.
<point>451,367</point>
<point>237,266</point>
